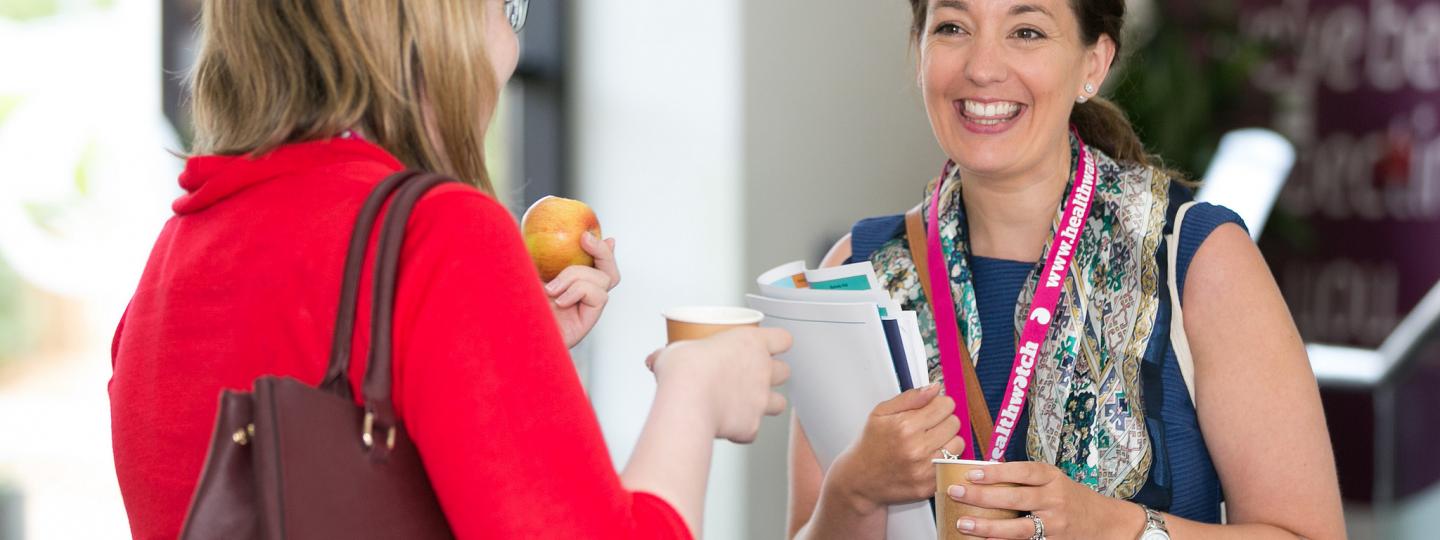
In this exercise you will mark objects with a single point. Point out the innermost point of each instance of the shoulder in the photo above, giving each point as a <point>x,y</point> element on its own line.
<point>1224,261</point>
<point>869,234</point>
<point>459,208</point>
<point>1205,224</point>
<point>449,199</point>
<point>839,253</point>
<point>1202,217</point>
<point>456,226</point>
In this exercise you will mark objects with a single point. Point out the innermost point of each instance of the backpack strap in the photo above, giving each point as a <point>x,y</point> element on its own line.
<point>1178,340</point>
<point>980,419</point>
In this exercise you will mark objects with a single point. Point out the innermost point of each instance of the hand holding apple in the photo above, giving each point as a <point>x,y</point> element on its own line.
<point>582,268</point>
<point>552,228</point>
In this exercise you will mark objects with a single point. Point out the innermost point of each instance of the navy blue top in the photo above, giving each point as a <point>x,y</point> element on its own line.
<point>997,287</point>
<point>1182,479</point>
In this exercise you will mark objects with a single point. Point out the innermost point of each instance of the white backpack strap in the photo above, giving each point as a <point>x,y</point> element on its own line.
<point>1178,341</point>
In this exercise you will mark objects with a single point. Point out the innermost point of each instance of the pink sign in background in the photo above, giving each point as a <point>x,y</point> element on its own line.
<point>1355,240</point>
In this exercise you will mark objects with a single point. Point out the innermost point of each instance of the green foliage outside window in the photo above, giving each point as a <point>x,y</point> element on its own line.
<point>17,331</point>
<point>24,10</point>
<point>1187,85</point>
<point>14,333</point>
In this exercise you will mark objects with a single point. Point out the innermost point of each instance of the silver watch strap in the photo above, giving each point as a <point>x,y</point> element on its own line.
<point>1154,521</point>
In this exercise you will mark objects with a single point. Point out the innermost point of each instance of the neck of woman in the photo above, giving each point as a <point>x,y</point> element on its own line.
<point>1010,217</point>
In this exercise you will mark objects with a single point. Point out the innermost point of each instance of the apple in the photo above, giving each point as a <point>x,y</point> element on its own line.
<point>552,228</point>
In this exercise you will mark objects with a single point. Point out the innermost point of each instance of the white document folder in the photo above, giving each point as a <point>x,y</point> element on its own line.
<point>840,370</point>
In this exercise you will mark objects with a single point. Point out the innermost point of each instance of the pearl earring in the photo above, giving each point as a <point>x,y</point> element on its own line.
<point>1082,99</point>
<point>1089,88</point>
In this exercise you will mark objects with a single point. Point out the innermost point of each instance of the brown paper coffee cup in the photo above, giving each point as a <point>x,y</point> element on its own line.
<point>699,322</point>
<point>949,472</point>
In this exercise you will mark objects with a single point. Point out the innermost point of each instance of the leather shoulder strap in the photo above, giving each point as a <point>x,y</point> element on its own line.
<point>915,237</point>
<point>337,380</point>
<point>980,418</point>
<point>387,269</point>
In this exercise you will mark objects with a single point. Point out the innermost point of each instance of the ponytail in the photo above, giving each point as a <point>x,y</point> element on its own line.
<point>1103,125</point>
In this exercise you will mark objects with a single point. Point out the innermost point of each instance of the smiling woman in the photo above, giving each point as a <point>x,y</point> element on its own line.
<point>1032,32</point>
<point>1118,416</point>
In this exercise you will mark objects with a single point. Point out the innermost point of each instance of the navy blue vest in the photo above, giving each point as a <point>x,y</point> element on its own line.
<point>1182,478</point>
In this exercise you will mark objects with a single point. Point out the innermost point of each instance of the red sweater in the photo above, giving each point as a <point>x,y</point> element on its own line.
<point>244,282</point>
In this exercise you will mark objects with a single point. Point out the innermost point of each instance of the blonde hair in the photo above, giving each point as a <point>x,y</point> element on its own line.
<point>413,75</point>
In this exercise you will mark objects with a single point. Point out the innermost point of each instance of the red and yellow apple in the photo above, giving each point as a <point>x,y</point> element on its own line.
<point>552,228</point>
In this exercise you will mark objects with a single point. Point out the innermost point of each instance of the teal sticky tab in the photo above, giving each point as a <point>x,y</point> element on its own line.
<point>852,283</point>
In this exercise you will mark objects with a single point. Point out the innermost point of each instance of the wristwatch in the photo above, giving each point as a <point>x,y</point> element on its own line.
<point>1154,526</point>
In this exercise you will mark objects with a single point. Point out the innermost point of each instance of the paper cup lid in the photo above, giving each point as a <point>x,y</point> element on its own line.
<point>949,461</point>
<point>714,315</point>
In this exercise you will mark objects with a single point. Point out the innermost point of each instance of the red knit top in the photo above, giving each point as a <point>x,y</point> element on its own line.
<point>244,281</point>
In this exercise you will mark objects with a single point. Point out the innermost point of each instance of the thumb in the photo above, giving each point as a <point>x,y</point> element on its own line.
<point>908,400</point>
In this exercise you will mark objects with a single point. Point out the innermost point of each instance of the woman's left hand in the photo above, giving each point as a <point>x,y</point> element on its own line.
<point>1068,509</point>
<point>579,294</point>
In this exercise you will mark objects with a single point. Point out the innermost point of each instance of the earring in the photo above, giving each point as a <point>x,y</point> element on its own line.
<point>1082,99</point>
<point>1089,88</point>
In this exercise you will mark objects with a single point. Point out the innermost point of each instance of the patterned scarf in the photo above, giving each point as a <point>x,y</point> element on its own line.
<point>1085,406</point>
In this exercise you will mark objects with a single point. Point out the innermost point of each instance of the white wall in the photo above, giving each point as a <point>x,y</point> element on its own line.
<point>716,139</point>
<point>834,132</point>
<point>656,139</point>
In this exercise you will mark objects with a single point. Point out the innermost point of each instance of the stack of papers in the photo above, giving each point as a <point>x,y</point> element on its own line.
<point>853,348</point>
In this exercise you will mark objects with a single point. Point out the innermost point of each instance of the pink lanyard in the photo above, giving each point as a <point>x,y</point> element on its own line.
<point>1037,322</point>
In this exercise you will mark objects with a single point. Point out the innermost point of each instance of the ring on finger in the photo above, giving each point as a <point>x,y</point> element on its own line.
<point>1039,528</point>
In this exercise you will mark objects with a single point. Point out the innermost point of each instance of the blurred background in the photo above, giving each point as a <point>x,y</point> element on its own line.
<point>718,139</point>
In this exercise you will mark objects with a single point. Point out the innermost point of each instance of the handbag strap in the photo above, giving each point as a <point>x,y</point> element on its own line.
<point>337,380</point>
<point>407,187</point>
<point>379,409</point>
<point>980,419</point>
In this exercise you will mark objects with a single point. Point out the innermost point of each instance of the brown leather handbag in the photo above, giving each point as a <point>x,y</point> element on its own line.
<point>292,461</point>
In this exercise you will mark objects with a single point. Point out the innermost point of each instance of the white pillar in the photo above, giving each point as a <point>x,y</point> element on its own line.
<point>716,139</point>
<point>656,110</point>
<point>834,131</point>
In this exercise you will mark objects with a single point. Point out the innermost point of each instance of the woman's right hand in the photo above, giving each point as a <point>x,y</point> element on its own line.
<point>732,374</point>
<point>890,463</point>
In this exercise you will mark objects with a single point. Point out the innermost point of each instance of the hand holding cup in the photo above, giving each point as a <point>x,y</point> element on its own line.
<point>731,369</point>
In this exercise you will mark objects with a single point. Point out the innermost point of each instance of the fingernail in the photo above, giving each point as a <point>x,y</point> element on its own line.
<point>966,525</point>
<point>550,287</point>
<point>956,491</point>
<point>976,474</point>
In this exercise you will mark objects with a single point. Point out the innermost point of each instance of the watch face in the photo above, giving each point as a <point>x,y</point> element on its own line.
<point>1155,535</point>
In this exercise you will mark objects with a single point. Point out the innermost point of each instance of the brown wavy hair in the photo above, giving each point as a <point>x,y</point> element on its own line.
<point>279,71</point>
<point>1100,122</point>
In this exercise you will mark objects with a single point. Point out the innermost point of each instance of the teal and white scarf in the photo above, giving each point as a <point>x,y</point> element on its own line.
<point>1085,407</point>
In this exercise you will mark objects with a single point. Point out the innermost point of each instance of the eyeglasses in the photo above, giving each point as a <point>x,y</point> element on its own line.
<point>515,10</point>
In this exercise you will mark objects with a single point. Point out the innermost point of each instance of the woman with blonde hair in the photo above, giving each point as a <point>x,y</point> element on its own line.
<point>301,108</point>
<point>1048,265</point>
